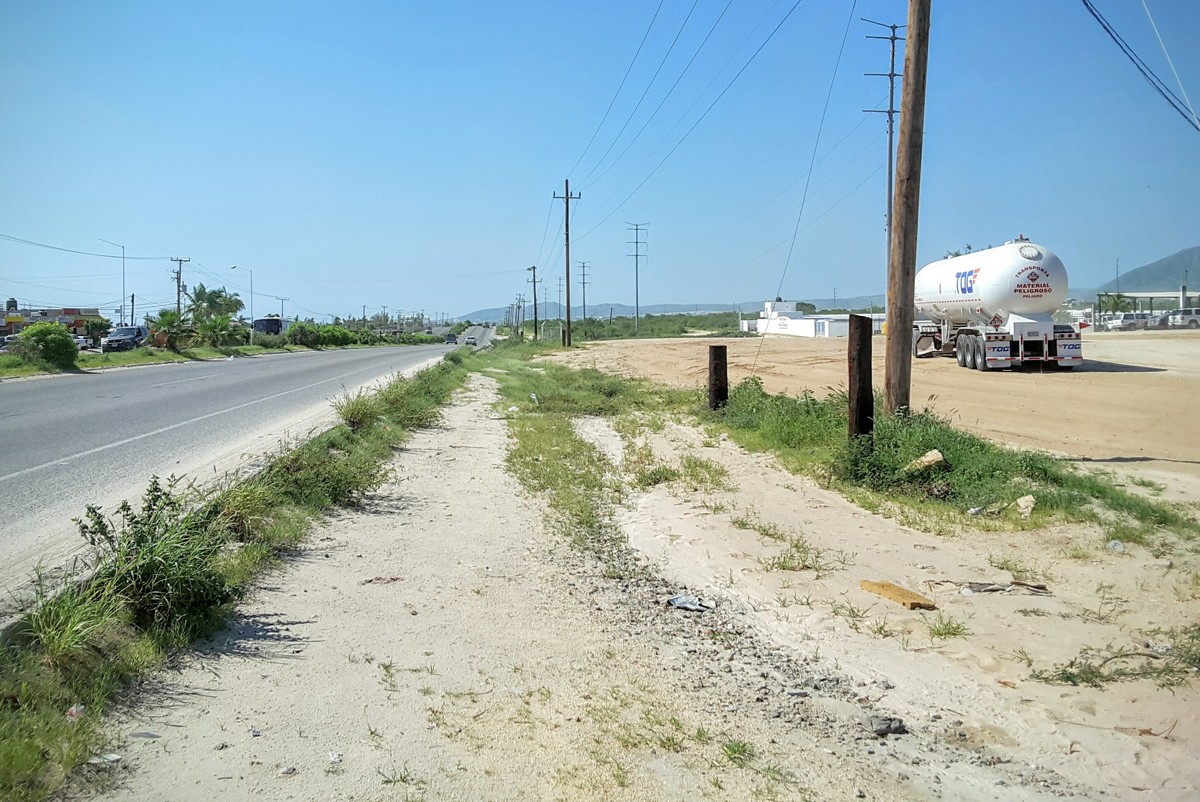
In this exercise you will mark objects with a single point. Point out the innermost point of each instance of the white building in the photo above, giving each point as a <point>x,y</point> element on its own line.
<point>782,317</point>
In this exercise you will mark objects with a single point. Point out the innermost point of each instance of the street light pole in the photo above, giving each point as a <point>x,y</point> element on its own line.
<point>250,270</point>
<point>122,247</point>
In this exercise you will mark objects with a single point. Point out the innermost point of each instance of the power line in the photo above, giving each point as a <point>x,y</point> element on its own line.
<point>699,120</point>
<point>619,88</point>
<point>816,144</point>
<point>1141,66</point>
<point>670,91</point>
<point>81,253</point>
<point>646,91</point>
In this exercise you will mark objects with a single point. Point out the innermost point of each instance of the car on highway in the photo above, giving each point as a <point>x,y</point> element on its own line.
<point>451,339</point>
<point>470,340</point>
<point>1186,318</point>
<point>125,338</point>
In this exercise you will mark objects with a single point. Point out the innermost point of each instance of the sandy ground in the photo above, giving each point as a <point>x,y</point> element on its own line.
<point>438,644</point>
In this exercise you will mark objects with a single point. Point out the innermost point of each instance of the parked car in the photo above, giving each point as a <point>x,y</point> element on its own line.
<point>83,342</point>
<point>451,339</point>
<point>1186,318</point>
<point>125,338</point>
<point>470,340</point>
<point>1129,321</point>
<point>1160,321</point>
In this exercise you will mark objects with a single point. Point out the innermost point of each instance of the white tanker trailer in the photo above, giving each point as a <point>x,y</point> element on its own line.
<point>992,309</point>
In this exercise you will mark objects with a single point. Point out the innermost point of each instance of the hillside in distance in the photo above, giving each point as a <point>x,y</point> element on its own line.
<point>1164,275</point>
<point>552,310</point>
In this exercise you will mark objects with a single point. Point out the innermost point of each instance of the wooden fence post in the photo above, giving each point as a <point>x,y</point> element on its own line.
<point>862,399</point>
<point>718,377</point>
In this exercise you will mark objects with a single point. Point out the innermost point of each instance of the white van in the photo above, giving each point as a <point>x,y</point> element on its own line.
<point>1128,321</point>
<point>1185,318</point>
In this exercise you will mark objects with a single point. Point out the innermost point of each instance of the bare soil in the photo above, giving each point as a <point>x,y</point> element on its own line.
<point>440,643</point>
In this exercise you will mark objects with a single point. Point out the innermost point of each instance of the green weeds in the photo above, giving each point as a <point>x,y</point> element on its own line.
<point>809,436</point>
<point>163,572</point>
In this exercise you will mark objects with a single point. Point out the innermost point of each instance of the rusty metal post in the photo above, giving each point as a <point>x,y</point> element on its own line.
<point>718,376</point>
<point>862,399</point>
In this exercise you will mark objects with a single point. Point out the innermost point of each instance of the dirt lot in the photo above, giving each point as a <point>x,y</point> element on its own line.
<point>440,644</point>
<point>1132,405</point>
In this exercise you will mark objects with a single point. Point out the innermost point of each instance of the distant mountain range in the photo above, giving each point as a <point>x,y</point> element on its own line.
<point>1165,275</point>
<point>552,311</point>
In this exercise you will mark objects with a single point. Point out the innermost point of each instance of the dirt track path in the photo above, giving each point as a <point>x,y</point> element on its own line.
<point>439,645</point>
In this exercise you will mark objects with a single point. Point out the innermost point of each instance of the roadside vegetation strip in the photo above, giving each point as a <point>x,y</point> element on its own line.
<point>160,574</point>
<point>50,348</point>
<point>976,486</point>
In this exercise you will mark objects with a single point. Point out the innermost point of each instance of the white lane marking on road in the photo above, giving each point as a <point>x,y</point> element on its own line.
<point>181,381</point>
<point>188,422</point>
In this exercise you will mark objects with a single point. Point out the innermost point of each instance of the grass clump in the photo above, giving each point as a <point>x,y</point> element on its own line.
<point>164,572</point>
<point>1171,660</point>
<point>810,436</point>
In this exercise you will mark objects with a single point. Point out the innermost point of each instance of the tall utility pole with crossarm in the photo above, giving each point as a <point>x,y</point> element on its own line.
<point>567,197</point>
<point>902,258</point>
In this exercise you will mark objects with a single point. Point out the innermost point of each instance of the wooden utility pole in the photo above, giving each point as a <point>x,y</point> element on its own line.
<point>567,197</point>
<point>902,257</point>
<point>179,284</point>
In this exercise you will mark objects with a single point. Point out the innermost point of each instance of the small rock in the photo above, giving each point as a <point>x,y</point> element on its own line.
<point>290,770</point>
<point>886,725</point>
<point>929,459</point>
<point>1025,506</point>
<point>1115,546</point>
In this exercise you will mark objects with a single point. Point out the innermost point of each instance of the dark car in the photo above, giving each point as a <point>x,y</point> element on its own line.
<point>1162,321</point>
<point>125,338</point>
<point>451,339</point>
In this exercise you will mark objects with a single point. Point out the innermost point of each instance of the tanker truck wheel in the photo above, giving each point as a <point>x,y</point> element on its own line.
<point>959,356</point>
<point>968,342</point>
<point>980,354</point>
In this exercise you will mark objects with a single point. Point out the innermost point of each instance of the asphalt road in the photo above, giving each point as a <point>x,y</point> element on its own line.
<point>97,437</point>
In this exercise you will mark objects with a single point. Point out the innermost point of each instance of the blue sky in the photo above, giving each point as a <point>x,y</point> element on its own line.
<point>405,154</point>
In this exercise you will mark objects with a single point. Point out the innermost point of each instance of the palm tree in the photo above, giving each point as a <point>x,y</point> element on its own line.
<point>170,325</point>
<point>205,302</point>
<point>214,330</point>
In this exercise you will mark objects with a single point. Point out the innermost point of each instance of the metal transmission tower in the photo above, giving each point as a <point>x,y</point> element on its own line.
<point>637,254</point>
<point>567,197</point>
<point>583,282</point>
<point>891,112</point>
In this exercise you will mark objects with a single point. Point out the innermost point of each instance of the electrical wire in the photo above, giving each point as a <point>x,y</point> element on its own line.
<point>808,180</point>
<point>646,91</point>
<point>1147,73</point>
<point>619,88</point>
<point>81,253</point>
<point>688,133</point>
<point>657,108</point>
<point>1170,63</point>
